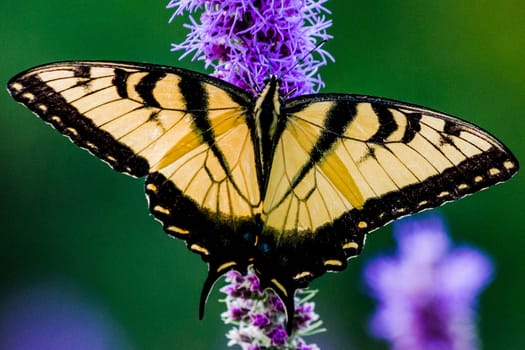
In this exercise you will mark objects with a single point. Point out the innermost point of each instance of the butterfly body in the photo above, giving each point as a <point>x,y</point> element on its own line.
<point>290,187</point>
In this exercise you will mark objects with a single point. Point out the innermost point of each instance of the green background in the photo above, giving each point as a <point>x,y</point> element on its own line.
<point>67,219</point>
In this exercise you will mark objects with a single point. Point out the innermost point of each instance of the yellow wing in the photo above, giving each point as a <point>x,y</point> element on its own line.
<point>143,119</point>
<point>356,163</point>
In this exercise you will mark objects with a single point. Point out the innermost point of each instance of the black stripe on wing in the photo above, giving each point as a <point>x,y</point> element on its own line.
<point>335,123</point>
<point>196,99</point>
<point>145,88</point>
<point>387,124</point>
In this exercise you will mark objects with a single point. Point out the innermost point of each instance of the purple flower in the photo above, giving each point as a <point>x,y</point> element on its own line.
<point>57,316</point>
<point>260,320</point>
<point>246,41</point>
<point>427,292</point>
<point>261,323</point>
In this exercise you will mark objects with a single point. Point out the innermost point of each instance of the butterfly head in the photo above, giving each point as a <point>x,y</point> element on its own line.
<point>272,82</point>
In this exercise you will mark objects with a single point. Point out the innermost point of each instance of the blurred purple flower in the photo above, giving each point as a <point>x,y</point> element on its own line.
<point>259,317</point>
<point>56,316</point>
<point>246,41</point>
<point>427,291</point>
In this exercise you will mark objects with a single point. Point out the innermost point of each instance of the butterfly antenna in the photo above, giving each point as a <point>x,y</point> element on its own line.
<point>299,62</point>
<point>270,71</point>
<point>290,93</point>
<point>316,47</point>
<point>303,58</point>
<point>258,88</point>
<point>249,82</point>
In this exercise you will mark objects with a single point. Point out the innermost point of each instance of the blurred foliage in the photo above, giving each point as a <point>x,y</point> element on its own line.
<point>67,216</point>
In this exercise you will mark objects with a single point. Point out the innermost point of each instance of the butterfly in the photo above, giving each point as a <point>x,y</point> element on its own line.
<point>290,187</point>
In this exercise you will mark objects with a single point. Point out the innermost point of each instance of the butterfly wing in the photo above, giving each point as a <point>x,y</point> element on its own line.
<point>347,164</point>
<point>188,132</point>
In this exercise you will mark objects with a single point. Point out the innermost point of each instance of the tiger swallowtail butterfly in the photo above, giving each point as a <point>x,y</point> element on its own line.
<point>289,187</point>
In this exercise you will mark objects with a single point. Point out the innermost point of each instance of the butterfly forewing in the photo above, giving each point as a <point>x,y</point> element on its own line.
<point>144,118</point>
<point>365,161</point>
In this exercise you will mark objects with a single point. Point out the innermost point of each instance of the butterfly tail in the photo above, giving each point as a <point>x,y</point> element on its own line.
<point>285,292</point>
<point>215,271</point>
